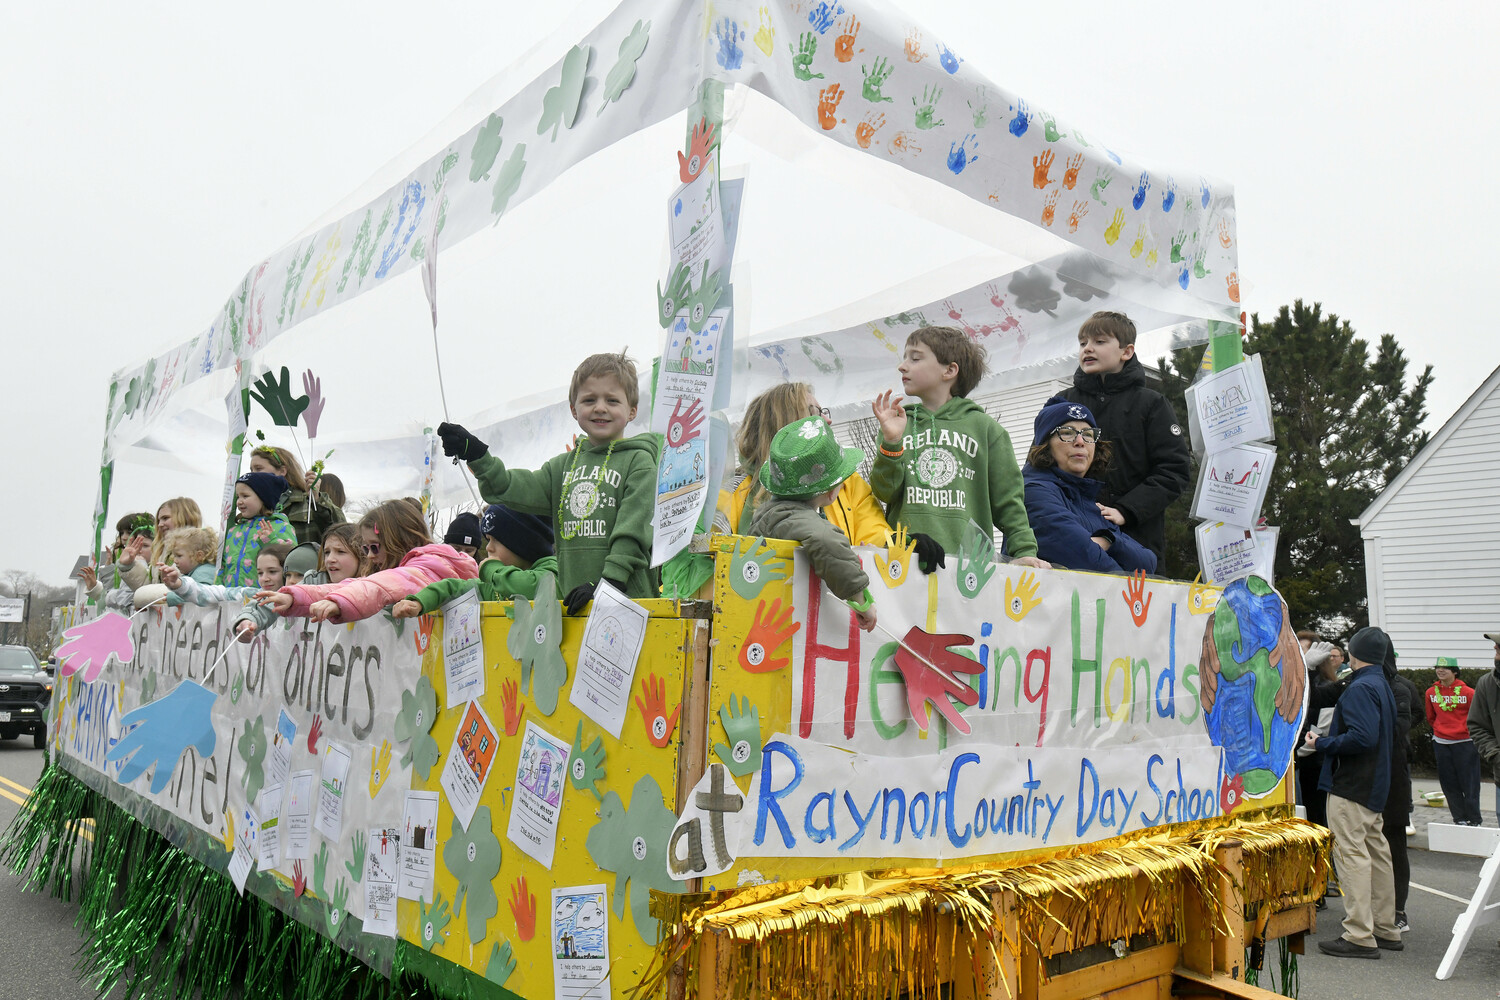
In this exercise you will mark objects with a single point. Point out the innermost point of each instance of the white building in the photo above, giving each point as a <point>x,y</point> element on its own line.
<point>1432,541</point>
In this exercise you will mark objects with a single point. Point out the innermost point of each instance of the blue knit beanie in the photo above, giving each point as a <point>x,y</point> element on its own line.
<point>528,536</point>
<point>1056,412</point>
<point>266,485</point>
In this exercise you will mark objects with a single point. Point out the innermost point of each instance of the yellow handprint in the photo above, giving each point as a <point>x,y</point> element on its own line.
<point>765,35</point>
<point>1202,597</point>
<point>1021,596</point>
<point>880,335</point>
<point>895,565</point>
<point>1151,256</point>
<point>380,766</point>
<point>228,831</point>
<point>1112,234</point>
<point>1139,245</point>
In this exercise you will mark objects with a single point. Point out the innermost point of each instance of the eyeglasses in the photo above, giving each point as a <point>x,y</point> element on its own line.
<point>373,549</point>
<point>820,411</point>
<point>1067,435</point>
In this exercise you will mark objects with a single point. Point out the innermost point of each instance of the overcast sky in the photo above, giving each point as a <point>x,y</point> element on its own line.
<point>154,152</point>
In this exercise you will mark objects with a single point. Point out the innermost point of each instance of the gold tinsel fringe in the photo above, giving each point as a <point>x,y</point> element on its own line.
<point>905,931</point>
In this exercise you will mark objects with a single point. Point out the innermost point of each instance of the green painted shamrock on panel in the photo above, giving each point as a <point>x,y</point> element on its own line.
<point>535,641</point>
<point>632,843</point>
<point>252,748</point>
<point>473,857</point>
<point>418,713</point>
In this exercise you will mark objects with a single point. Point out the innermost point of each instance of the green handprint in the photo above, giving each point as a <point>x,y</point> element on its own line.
<point>334,916</point>
<point>320,871</point>
<point>802,58</point>
<point>356,863</point>
<point>535,641</point>
<point>253,751</point>
<point>622,74</point>
<point>486,147</point>
<point>275,397</point>
<point>560,103</point>
<point>430,922</point>
<point>1102,177</point>
<point>981,111</point>
<point>927,110</point>
<point>976,561</point>
<point>148,688</point>
<point>1177,242</point>
<point>752,565</point>
<point>741,722</point>
<point>237,688</point>
<point>669,302</point>
<point>586,766</point>
<point>702,301</point>
<point>500,965</point>
<point>1051,129</point>
<point>509,180</point>
<point>1199,271</point>
<point>875,78</point>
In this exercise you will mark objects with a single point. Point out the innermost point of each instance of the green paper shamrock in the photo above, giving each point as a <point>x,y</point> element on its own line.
<point>741,722</point>
<point>275,397</point>
<point>500,965</point>
<point>976,561</point>
<point>632,843</point>
<point>320,871</point>
<point>486,148</point>
<point>560,103</point>
<point>356,863</point>
<point>431,920</point>
<point>702,301</point>
<point>334,915</point>
<point>148,688</point>
<point>418,713</point>
<point>622,74</point>
<point>252,747</point>
<point>473,857</point>
<point>133,395</point>
<point>509,180</point>
<point>586,767</point>
<point>668,302</point>
<point>535,640</point>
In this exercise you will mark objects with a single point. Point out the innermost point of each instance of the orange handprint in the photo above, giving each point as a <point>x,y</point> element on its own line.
<point>766,636</point>
<point>1049,208</point>
<point>1070,176</point>
<point>1225,240</point>
<point>1040,167</point>
<point>865,130</point>
<point>843,46</point>
<point>659,725</point>
<point>691,165</point>
<point>903,143</point>
<point>913,46</point>
<point>1080,209</point>
<point>523,909</point>
<point>1136,598</point>
<point>1234,286</point>
<point>514,707</point>
<point>423,635</point>
<point>828,106</point>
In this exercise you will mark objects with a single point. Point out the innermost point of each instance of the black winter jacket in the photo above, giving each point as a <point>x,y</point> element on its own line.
<point>1152,464</point>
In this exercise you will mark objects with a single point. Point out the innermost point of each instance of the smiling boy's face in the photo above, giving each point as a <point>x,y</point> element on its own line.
<point>1101,354</point>
<point>601,409</point>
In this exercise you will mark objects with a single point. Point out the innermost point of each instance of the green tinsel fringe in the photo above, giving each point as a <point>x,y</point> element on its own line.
<point>158,923</point>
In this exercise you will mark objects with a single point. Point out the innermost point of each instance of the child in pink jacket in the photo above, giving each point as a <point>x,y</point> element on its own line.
<point>402,557</point>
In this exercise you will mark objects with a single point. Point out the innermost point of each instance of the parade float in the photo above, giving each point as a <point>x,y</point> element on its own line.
<point>1026,783</point>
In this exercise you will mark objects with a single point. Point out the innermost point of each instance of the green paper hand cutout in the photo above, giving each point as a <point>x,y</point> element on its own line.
<point>677,289</point>
<point>754,564</point>
<point>976,561</point>
<point>622,74</point>
<point>486,148</point>
<point>252,747</point>
<point>418,713</point>
<point>355,866</point>
<point>535,641</point>
<point>500,965</point>
<point>473,857</point>
<point>432,920</point>
<point>275,397</point>
<point>148,688</point>
<point>560,103</point>
<point>509,180</point>
<point>399,624</point>
<point>632,843</point>
<point>701,302</point>
<point>237,688</point>
<point>586,767</point>
<point>320,871</point>
<point>334,915</point>
<point>741,722</point>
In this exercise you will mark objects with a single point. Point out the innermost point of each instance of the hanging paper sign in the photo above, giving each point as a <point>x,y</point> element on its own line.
<point>537,803</point>
<point>270,826</point>
<point>463,649</point>
<point>580,942</point>
<point>1230,407</point>
<point>382,866</point>
<point>685,389</point>
<point>469,761</point>
<point>696,222</point>
<point>612,640</point>
<point>1233,484</point>
<point>419,835</point>
<point>1228,552</point>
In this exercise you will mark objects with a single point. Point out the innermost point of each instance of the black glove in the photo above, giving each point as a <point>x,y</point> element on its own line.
<point>579,597</point>
<point>459,443</point>
<point>930,554</point>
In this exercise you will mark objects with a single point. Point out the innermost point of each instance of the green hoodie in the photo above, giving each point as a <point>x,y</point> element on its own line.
<point>958,464</point>
<point>497,581</point>
<point>600,503</point>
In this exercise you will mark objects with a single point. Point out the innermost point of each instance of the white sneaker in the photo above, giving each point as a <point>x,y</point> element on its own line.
<point>1411,831</point>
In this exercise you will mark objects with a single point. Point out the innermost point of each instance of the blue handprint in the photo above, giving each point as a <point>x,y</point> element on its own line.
<point>730,34</point>
<point>1170,198</point>
<point>1113,156</point>
<point>1142,186</point>
<point>960,155</point>
<point>163,730</point>
<point>822,15</point>
<point>1022,121</point>
<point>1183,276</point>
<point>1203,192</point>
<point>948,59</point>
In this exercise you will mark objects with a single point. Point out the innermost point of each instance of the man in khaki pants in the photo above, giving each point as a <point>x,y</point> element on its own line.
<point>1357,777</point>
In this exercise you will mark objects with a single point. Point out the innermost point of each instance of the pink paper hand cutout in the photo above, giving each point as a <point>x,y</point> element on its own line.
<point>682,426</point>
<point>90,645</point>
<point>313,386</point>
<point>939,686</point>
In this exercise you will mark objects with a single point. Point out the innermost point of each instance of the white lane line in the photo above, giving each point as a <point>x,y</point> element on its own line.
<point>1439,892</point>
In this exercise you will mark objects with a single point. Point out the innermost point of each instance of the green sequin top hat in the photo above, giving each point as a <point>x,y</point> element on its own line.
<point>806,460</point>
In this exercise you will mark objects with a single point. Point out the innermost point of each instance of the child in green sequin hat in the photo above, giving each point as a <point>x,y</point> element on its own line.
<point>804,473</point>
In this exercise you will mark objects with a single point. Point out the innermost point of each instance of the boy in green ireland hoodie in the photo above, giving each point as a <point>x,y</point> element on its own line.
<point>943,462</point>
<point>518,551</point>
<point>601,494</point>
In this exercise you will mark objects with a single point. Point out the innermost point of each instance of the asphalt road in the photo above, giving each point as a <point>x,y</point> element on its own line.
<point>41,944</point>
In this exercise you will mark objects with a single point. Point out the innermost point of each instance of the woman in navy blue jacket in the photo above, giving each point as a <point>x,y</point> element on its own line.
<point>1063,474</point>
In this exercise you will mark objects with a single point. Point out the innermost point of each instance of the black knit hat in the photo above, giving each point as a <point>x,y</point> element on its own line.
<point>528,536</point>
<point>1369,645</point>
<point>266,485</point>
<point>464,530</point>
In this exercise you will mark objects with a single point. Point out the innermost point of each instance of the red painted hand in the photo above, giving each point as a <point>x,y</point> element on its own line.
<point>766,636</point>
<point>936,680</point>
<point>523,909</point>
<point>313,734</point>
<point>514,708</point>
<point>659,725</point>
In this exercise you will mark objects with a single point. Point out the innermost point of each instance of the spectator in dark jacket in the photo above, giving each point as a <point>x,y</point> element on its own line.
<point>1484,719</point>
<point>1061,477</point>
<point>1357,778</point>
<point>1397,812</point>
<point>1151,465</point>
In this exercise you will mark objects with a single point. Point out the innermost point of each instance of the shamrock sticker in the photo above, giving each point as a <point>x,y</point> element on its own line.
<point>418,713</point>
<point>252,747</point>
<point>536,641</point>
<point>632,843</point>
<point>473,857</point>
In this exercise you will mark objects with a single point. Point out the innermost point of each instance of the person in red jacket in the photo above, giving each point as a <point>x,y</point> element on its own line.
<point>1457,761</point>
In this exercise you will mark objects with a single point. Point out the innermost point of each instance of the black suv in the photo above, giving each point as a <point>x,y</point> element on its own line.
<point>25,692</point>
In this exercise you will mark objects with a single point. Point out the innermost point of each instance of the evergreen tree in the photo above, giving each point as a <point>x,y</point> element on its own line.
<point>1346,425</point>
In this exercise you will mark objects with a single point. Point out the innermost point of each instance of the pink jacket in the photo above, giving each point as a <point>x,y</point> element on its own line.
<point>365,596</point>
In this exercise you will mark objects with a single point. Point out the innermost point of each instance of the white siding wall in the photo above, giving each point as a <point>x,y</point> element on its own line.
<point>1433,551</point>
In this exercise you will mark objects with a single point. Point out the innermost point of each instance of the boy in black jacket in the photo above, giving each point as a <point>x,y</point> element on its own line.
<point>1152,465</point>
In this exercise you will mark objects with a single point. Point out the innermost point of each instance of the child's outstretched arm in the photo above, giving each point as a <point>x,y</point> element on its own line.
<point>435,595</point>
<point>519,489</point>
